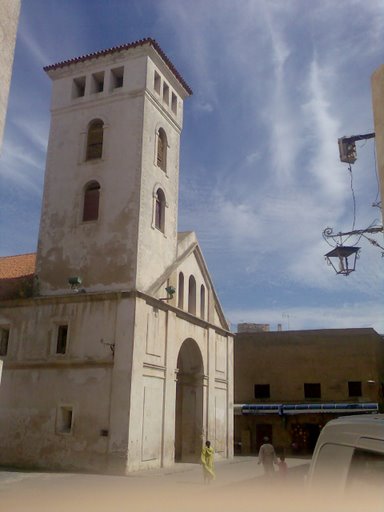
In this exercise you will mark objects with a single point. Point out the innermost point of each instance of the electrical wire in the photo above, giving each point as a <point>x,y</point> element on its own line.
<point>327,233</point>
<point>373,242</point>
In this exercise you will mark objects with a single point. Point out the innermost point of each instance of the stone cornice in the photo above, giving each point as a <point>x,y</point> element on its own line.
<point>103,296</point>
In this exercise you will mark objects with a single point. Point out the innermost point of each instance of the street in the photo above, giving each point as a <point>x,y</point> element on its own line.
<point>182,485</point>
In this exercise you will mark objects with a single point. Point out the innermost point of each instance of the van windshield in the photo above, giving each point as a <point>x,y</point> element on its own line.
<point>366,471</point>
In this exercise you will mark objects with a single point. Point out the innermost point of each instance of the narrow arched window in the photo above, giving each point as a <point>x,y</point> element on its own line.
<point>192,295</point>
<point>180,302</point>
<point>162,150</point>
<point>95,140</point>
<point>202,301</point>
<point>91,201</point>
<point>160,210</point>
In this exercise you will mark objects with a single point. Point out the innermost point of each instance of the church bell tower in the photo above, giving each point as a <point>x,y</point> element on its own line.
<point>109,214</point>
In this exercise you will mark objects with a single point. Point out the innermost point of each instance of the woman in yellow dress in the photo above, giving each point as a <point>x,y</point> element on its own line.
<point>207,459</point>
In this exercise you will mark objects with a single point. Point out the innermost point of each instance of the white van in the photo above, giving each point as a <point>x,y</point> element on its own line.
<point>349,455</point>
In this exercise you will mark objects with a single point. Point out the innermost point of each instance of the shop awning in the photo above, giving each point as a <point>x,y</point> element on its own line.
<point>282,409</point>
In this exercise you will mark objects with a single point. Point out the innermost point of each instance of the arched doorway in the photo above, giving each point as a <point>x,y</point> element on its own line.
<point>189,403</point>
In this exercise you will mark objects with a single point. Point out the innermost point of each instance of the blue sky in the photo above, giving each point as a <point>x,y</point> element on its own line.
<point>275,84</point>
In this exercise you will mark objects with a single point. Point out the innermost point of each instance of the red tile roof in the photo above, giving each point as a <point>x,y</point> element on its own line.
<point>114,49</point>
<point>13,267</point>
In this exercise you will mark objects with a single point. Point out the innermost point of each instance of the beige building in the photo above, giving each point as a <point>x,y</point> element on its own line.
<point>288,384</point>
<point>117,356</point>
<point>377,81</point>
<point>9,16</point>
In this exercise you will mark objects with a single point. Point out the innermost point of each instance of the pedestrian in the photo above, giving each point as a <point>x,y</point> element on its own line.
<point>207,460</point>
<point>282,465</point>
<point>267,457</point>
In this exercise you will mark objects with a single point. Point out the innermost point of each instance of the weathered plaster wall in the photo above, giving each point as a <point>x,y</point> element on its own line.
<point>31,399</point>
<point>102,252</point>
<point>38,382</point>
<point>9,16</point>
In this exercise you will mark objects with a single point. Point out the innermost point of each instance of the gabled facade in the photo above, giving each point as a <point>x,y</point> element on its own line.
<point>105,369</point>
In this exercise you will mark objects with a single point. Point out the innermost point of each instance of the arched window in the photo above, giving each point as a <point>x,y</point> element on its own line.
<point>180,302</point>
<point>95,140</point>
<point>192,295</point>
<point>202,301</point>
<point>160,210</point>
<point>162,150</point>
<point>91,201</point>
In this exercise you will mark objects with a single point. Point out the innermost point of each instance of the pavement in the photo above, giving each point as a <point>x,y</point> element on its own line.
<point>180,486</point>
<point>239,469</point>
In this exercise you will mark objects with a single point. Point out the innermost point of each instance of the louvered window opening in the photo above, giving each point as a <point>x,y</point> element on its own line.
<point>160,210</point>
<point>95,140</point>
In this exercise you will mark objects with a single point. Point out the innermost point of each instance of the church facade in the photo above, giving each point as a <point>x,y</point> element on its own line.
<point>116,353</point>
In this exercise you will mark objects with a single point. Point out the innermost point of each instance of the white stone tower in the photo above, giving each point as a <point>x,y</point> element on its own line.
<point>109,212</point>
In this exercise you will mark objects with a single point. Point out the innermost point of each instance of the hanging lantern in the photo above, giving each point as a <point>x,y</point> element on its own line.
<point>341,264</point>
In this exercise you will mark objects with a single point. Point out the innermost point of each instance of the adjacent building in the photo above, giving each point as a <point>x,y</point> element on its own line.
<point>9,17</point>
<point>377,82</point>
<point>288,384</point>
<point>117,355</point>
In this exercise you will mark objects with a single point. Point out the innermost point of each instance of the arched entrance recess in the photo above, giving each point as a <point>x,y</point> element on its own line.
<point>189,403</point>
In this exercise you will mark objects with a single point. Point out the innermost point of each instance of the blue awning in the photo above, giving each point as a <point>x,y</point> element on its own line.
<point>290,409</point>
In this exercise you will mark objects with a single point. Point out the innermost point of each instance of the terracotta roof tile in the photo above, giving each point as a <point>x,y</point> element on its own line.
<point>127,46</point>
<point>12,267</point>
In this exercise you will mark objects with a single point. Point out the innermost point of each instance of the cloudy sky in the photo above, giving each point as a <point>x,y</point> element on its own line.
<point>275,83</point>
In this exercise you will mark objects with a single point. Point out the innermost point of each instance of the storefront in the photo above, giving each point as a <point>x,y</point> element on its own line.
<point>292,428</point>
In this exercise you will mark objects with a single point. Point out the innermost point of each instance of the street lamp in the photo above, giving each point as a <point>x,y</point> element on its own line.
<point>341,253</point>
<point>170,293</point>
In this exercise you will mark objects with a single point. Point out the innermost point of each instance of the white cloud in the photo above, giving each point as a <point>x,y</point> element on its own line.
<point>36,133</point>
<point>276,83</point>
<point>323,128</point>
<point>32,46</point>
<point>20,166</point>
<point>203,106</point>
<point>252,158</point>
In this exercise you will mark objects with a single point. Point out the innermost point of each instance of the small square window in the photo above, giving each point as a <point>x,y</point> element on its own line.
<point>174,103</point>
<point>61,341</point>
<point>78,87</point>
<point>64,422</point>
<point>312,390</point>
<point>262,391</point>
<point>165,93</point>
<point>4,337</point>
<point>97,82</point>
<point>157,83</point>
<point>354,388</point>
<point>117,78</point>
